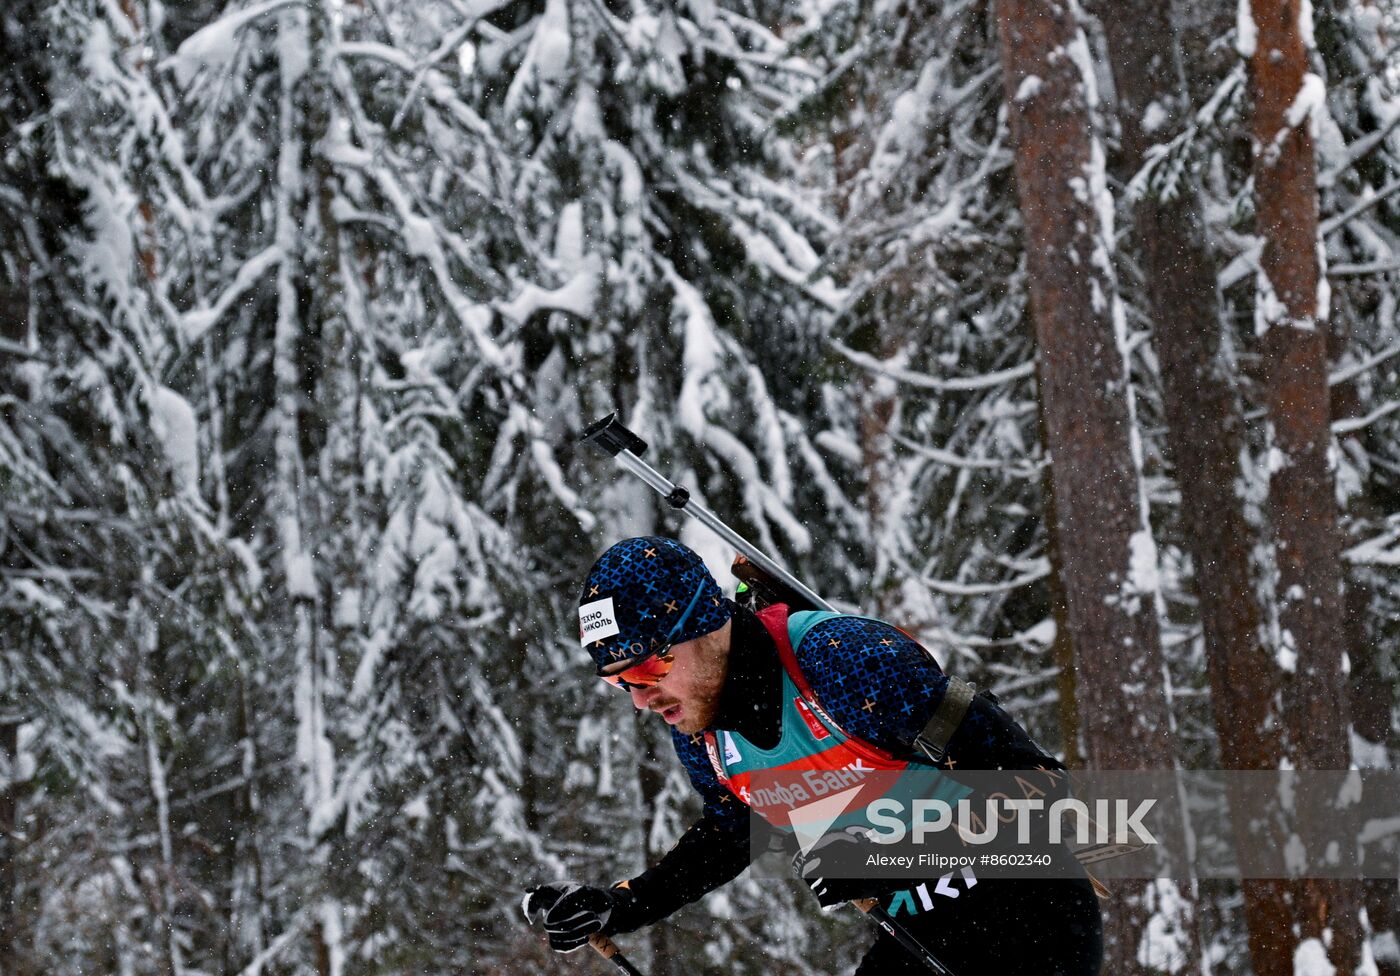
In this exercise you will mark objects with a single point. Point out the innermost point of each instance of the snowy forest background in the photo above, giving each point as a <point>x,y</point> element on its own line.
<point>1002,321</point>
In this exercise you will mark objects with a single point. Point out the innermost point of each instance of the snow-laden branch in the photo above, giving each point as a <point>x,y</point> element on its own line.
<point>420,236</point>
<point>577,297</point>
<point>703,350</point>
<point>1173,154</point>
<point>1354,370</point>
<point>1360,149</point>
<point>8,348</point>
<point>373,49</point>
<point>1381,550</point>
<point>1242,265</point>
<point>1360,207</point>
<point>213,44</point>
<point>924,381</point>
<point>446,48</point>
<point>953,588</point>
<point>542,454</point>
<point>1353,424</point>
<point>952,460</point>
<point>194,323</point>
<point>1358,270</point>
<point>275,947</point>
<point>779,248</point>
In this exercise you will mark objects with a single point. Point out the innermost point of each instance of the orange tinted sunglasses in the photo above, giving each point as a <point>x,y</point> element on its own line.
<point>644,674</point>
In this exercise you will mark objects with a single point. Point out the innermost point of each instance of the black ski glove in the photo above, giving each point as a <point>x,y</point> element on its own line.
<point>834,892</point>
<point>571,912</point>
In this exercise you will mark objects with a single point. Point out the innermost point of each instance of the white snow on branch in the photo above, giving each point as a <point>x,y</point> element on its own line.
<point>923,381</point>
<point>700,356</point>
<point>1308,103</point>
<point>704,387</point>
<point>196,322</point>
<point>542,453</point>
<point>1154,117</point>
<point>1242,264</point>
<point>1143,577</point>
<point>1353,424</point>
<point>546,60</point>
<point>953,588</point>
<point>212,46</point>
<point>275,947</point>
<point>951,459</point>
<point>1246,31</point>
<point>1389,116</point>
<point>1353,370</point>
<point>421,238</point>
<point>1305,25</point>
<point>174,425</point>
<point>578,296</point>
<point>373,49</point>
<point>1310,959</point>
<point>1369,199</point>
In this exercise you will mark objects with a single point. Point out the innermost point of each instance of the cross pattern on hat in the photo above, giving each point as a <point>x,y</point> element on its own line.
<point>662,595</point>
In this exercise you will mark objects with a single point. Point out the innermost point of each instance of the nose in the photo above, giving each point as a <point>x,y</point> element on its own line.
<point>642,697</point>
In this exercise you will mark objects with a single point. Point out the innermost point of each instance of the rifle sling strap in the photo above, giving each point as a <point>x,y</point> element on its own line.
<point>933,740</point>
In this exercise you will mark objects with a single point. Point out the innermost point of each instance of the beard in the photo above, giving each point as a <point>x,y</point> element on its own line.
<point>699,693</point>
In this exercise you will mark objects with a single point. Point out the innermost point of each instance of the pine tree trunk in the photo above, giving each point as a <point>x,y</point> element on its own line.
<point>1106,551</point>
<point>1205,434</point>
<point>1062,650</point>
<point>1371,689</point>
<point>1302,493</point>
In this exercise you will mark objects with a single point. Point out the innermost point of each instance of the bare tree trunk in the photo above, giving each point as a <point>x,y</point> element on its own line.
<point>1302,493</point>
<point>1105,548</point>
<point>1370,690</point>
<point>1205,434</point>
<point>1062,650</point>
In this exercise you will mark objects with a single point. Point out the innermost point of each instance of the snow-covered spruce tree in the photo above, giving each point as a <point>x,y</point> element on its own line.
<point>382,262</point>
<point>657,193</point>
<point>929,374</point>
<point>113,560</point>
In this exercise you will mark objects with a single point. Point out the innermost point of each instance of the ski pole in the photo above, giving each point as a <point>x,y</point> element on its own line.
<point>871,907</point>
<point>625,447</point>
<point>608,949</point>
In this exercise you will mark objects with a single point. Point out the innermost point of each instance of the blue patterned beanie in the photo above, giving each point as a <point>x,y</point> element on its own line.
<point>644,595</point>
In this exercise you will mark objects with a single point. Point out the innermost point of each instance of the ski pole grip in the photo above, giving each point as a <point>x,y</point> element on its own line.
<point>606,948</point>
<point>610,435</point>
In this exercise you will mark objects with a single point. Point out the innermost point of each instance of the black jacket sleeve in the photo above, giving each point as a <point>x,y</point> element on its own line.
<point>715,849</point>
<point>709,854</point>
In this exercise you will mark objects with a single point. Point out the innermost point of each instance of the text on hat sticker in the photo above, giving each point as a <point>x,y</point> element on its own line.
<point>596,621</point>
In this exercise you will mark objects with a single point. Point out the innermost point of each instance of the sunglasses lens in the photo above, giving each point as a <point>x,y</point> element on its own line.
<point>642,675</point>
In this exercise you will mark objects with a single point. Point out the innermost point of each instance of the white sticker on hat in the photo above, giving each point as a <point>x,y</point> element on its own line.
<point>596,621</point>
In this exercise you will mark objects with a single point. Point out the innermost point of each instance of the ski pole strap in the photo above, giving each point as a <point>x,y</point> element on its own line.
<point>606,948</point>
<point>933,740</point>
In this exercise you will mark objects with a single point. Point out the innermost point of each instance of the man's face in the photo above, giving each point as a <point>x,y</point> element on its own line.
<point>688,696</point>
